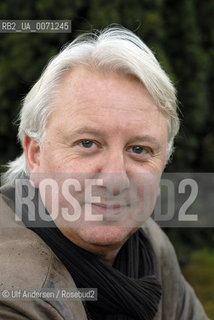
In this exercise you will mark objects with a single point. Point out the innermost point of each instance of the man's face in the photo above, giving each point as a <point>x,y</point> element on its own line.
<point>105,126</point>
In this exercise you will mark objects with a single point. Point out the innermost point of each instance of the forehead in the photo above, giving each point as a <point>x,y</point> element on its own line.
<point>106,98</point>
<point>84,83</point>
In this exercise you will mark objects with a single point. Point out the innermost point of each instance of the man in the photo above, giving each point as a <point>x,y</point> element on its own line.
<point>97,130</point>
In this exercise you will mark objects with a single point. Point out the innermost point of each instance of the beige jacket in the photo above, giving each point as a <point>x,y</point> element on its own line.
<point>27,262</point>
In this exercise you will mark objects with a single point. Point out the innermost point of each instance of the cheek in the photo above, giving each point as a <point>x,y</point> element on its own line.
<point>74,165</point>
<point>144,192</point>
<point>53,160</point>
<point>48,164</point>
<point>62,160</point>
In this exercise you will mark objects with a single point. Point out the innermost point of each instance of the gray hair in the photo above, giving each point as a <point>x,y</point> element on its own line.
<point>112,49</point>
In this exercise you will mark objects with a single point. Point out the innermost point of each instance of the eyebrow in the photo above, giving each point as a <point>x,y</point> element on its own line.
<point>83,130</point>
<point>89,130</point>
<point>146,138</point>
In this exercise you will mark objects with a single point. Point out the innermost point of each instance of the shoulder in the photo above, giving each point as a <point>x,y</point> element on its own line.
<point>26,262</point>
<point>168,270</point>
<point>178,297</point>
<point>167,263</point>
<point>159,240</point>
<point>24,257</point>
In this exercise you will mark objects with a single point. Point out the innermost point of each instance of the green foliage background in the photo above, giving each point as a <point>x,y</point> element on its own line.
<point>181,34</point>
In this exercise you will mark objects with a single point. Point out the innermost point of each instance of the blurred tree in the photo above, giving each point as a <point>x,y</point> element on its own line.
<point>189,42</point>
<point>23,57</point>
<point>189,63</point>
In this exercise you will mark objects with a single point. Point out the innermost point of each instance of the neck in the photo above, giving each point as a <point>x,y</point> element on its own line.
<point>106,253</point>
<point>110,256</point>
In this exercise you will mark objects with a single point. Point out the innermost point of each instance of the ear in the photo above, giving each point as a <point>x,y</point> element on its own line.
<point>32,155</point>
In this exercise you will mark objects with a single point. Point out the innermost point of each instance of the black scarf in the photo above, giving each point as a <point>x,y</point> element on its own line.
<point>128,290</point>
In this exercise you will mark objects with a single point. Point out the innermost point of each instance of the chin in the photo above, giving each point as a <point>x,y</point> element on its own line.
<point>105,236</point>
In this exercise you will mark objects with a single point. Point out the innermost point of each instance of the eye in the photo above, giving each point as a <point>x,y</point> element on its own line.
<point>140,152</point>
<point>86,143</point>
<point>138,149</point>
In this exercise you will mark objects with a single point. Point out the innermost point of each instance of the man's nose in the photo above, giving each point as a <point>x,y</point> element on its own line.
<point>114,172</point>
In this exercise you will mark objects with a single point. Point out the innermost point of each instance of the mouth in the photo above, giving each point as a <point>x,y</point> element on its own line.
<point>109,209</point>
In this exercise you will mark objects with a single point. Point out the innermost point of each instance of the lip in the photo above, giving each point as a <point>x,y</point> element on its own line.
<point>108,209</point>
<point>109,205</point>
